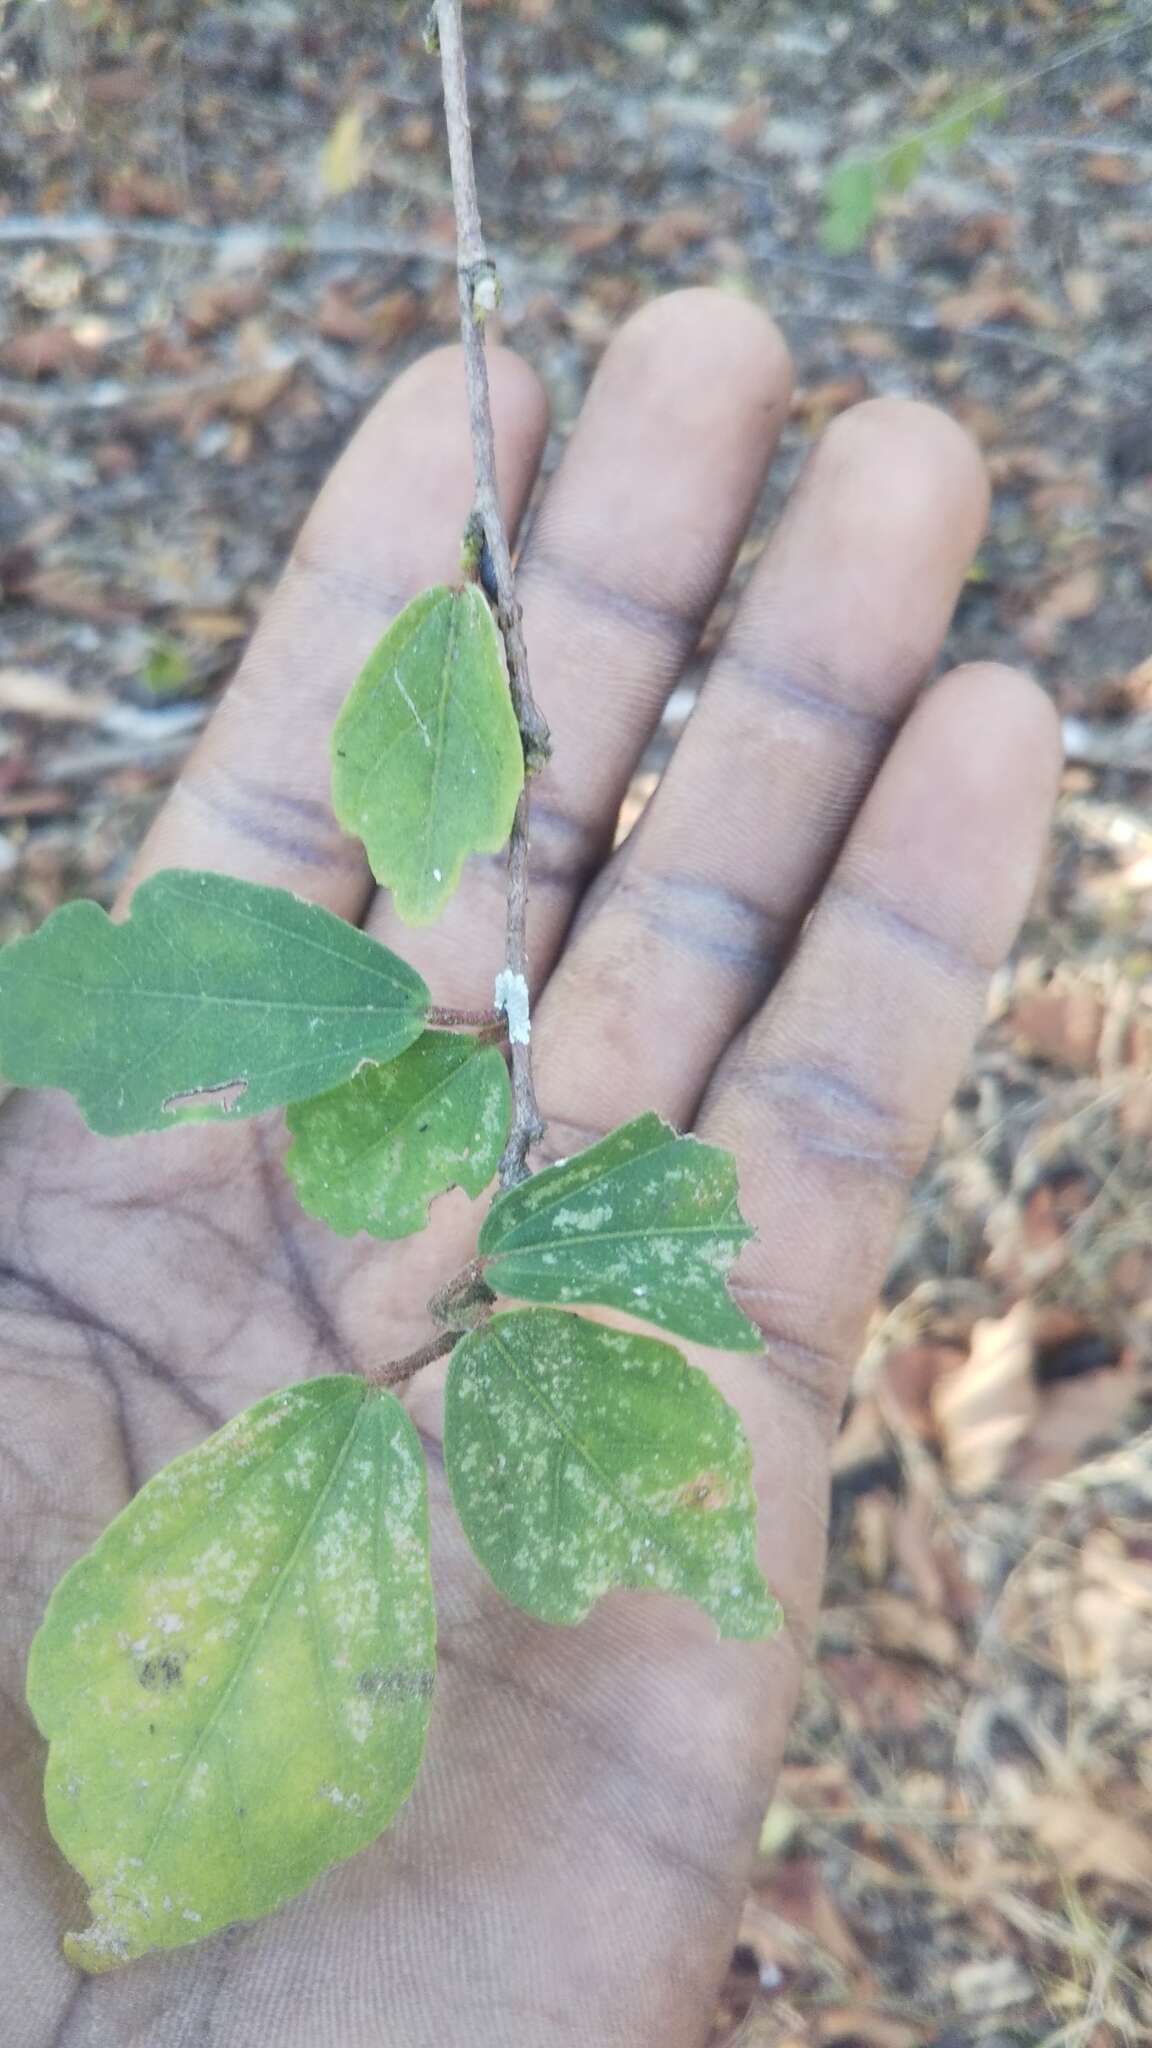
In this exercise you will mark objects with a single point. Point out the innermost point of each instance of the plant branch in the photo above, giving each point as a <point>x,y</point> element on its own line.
<point>464,1301</point>
<point>465,1020</point>
<point>398,1371</point>
<point>478,297</point>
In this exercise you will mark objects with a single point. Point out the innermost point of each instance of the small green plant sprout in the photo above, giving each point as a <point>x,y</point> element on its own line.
<point>857,185</point>
<point>236,1682</point>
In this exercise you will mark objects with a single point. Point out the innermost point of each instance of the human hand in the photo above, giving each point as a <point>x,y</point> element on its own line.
<point>790,956</point>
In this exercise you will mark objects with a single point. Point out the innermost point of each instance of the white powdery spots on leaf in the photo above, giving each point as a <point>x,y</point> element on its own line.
<point>565,1221</point>
<point>336,1797</point>
<point>198,1782</point>
<point>373,1154</point>
<point>644,1208</point>
<point>602,1460</point>
<point>273,1634</point>
<point>359,1715</point>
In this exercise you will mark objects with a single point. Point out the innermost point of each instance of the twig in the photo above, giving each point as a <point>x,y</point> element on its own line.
<point>464,1301</point>
<point>464,1020</point>
<point>247,241</point>
<point>399,1371</point>
<point>478,298</point>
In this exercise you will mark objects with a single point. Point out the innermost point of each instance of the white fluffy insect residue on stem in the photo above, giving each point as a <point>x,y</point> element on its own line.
<point>511,997</point>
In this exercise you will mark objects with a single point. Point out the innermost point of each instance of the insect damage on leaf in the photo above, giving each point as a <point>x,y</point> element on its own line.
<point>373,1153</point>
<point>582,1458</point>
<point>213,998</point>
<point>224,1096</point>
<point>235,1682</point>
<point>427,762</point>
<point>646,1220</point>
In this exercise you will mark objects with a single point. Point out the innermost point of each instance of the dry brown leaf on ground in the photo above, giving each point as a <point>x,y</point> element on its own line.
<point>880,1694</point>
<point>1110,1628</point>
<point>863,1439</point>
<point>926,1550</point>
<point>1067,1017</point>
<point>903,1628</point>
<point>1072,1416</point>
<point>49,352</point>
<point>995,301</point>
<point>794,1900</point>
<point>31,694</point>
<point>991,1984</point>
<point>1076,596</point>
<point>1085,1840</point>
<point>984,1409</point>
<point>862,2024</point>
<point>220,302</point>
<point>783,2025</point>
<point>675,229</point>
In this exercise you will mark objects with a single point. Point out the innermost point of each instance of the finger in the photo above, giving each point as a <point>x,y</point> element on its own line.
<point>632,548</point>
<point>833,1096</point>
<point>254,800</point>
<point>834,637</point>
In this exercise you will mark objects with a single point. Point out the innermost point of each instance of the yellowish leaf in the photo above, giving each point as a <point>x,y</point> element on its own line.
<point>344,163</point>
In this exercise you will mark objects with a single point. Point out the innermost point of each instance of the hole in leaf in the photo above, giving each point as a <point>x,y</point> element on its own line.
<point>224,1096</point>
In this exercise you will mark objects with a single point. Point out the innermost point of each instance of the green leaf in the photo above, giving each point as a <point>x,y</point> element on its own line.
<point>646,1221</point>
<point>213,998</point>
<point>855,186</point>
<point>903,163</point>
<point>167,669</point>
<point>957,125</point>
<point>236,1680</point>
<point>372,1154</point>
<point>582,1458</point>
<point>427,763</point>
<point>850,207</point>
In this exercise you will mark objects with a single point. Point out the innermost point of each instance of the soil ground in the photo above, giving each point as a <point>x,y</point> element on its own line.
<point>224,229</point>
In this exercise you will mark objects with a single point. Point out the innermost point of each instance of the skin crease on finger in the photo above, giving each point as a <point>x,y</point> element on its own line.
<point>570,1868</point>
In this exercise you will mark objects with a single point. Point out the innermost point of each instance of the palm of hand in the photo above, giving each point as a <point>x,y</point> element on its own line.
<point>572,1861</point>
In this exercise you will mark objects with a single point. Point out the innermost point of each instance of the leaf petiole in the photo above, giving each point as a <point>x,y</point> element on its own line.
<point>397,1372</point>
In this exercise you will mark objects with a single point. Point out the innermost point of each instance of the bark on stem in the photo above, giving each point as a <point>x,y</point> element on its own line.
<point>398,1371</point>
<point>477,287</point>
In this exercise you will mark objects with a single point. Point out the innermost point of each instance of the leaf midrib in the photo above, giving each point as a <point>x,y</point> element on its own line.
<point>512,1250</point>
<point>180,995</point>
<point>257,1633</point>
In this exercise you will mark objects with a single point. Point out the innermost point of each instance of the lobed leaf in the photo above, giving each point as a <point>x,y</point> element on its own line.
<point>236,1680</point>
<point>646,1220</point>
<point>213,998</point>
<point>582,1458</point>
<point>373,1153</point>
<point>427,763</point>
